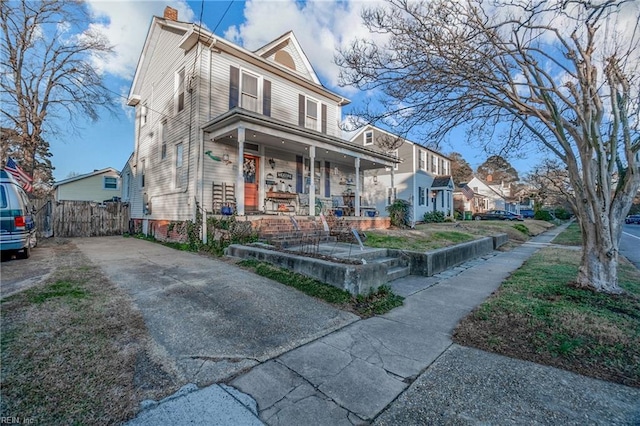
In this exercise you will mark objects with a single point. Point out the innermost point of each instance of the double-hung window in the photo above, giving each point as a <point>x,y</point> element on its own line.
<point>311,115</point>
<point>249,90</point>
<point>422,162</point>
<point>177,172</point>
<point>434,164</point>
<point>179,92</point>
<point>163,140</point>
<point>110,182</point>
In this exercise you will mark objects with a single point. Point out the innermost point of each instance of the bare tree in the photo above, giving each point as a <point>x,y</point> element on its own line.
<point>551,184</point>
<point>561,73</point>
<point>47,74</point>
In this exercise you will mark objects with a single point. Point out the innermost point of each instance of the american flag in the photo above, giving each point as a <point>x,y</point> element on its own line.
<point>20,175</point>
<point>468,192</point>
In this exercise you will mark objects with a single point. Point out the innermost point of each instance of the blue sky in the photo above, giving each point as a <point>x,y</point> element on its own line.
<point>319,26</point>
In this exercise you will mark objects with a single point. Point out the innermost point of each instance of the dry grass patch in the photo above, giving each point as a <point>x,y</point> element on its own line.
<point>74,349</point>
<point>537,315</point>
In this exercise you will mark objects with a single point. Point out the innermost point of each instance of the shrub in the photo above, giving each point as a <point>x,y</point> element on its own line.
<point>433,217</point>
<point>400,213</point>
<point>522,228</point>
<point>562,214</point>
<point>543,215</point>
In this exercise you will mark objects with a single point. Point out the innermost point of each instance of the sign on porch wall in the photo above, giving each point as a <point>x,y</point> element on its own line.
<point>284,175</point>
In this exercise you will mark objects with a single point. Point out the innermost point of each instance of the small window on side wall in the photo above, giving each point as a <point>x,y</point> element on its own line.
<point>110,182</point>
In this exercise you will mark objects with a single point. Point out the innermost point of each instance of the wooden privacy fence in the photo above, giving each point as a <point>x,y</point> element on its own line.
<point>81,218</point>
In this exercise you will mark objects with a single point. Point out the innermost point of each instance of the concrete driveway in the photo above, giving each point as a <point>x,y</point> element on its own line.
<point>210,319</point>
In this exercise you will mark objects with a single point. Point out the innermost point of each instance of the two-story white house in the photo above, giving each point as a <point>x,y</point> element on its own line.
<point>488,195</point>
<point>222,127</point>
<point>422,177</point>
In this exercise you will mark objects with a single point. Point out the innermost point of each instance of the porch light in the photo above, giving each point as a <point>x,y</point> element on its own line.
<point>375,179</point>
<point>272,163</point>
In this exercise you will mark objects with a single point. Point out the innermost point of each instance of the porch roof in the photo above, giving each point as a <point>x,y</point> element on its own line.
<point>275,133</point>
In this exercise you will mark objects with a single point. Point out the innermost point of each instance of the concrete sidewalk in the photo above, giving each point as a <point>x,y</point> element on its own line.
<point>356,373</point>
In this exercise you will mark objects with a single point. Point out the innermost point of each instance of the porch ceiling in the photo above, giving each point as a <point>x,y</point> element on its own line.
<point>285,137</point>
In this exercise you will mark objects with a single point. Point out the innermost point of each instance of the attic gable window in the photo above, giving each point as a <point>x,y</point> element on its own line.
<point>179,92</point>
<point>368,138</point>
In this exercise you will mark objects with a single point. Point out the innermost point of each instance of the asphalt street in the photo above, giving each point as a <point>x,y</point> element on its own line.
<point>630,243</point>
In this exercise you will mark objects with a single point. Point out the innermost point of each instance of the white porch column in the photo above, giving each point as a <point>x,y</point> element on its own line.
<point>312,181</point>
<point>392,197</point>
<point>240,174</point>
<point>356,201</point>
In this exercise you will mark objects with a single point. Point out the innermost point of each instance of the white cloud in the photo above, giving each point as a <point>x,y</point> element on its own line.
<point>126,23</point>
<point>320,26</point>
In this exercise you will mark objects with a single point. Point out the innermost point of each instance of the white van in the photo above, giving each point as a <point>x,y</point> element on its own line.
<point>17,228</point>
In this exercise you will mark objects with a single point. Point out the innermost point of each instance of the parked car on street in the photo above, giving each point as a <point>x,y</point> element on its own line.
<point>527,213</point>
<point>17,228</point>
<point>497,215</point>
<point>634,218</point>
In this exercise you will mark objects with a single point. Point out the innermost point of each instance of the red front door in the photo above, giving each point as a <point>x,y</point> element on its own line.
<point>251,172</point>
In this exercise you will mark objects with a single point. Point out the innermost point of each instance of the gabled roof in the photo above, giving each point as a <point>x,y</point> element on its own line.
<point>368,127</point>
<point>194,33</point>
<point>441,182</point>
<point>87,175</point>
<point>282,41</point>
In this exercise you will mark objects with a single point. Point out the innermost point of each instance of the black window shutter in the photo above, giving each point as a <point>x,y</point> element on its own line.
<point>327,179</point>
<point>301,108</point>
<point>266,98</point>
<point>324,119</point>
<point>234,87</point>
<point>299,174</point>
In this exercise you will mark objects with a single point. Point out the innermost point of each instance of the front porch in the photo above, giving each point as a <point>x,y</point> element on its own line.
<point>271,167</point>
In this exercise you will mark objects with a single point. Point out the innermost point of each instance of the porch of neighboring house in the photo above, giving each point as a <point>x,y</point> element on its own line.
<point>255,165</point>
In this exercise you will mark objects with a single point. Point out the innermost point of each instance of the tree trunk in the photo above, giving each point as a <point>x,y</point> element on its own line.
<point>599,269</point>
<point>599,264</point>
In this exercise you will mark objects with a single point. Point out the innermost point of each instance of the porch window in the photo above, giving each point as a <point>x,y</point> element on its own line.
<point>179,92</point>
<point>178,167</point>
<point>249,89</point>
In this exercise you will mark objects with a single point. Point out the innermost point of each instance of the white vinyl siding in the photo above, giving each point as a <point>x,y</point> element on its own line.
<point>91,188</point>
<point>284,94</point>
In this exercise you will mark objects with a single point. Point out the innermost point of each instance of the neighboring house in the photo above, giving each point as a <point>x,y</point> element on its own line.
<point>126,178</point>
<point>487,195</point>
<point>422,178</point>
<point>99,185</point>
<point>220,126</point>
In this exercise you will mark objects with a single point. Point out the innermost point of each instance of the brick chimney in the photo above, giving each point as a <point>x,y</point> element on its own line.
<point>489,178</point>
<point>170,13</point>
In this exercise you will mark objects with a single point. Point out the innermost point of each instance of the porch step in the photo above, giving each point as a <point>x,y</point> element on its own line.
<point>390,262</point>
<point>398,272</point>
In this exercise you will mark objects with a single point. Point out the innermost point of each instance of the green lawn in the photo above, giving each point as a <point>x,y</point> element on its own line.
<point>570,236</point>
<point>537,315</point>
